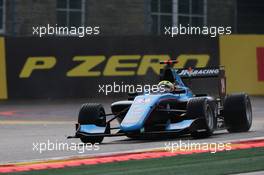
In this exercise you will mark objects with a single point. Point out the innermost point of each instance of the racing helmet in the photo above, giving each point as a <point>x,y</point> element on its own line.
<point>166,86</point>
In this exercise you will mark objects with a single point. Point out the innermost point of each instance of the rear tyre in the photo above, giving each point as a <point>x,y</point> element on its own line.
<point>92,113</point>
<point>204,110</point>
<point>237,112</point>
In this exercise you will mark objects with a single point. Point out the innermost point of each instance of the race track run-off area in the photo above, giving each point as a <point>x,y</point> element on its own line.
<point>25,124</point>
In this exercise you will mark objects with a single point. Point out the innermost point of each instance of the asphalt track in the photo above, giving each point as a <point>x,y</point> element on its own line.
<point>24,123</point>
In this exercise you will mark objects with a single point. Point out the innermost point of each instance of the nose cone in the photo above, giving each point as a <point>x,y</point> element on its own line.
<point>134,120</point>
<point>137,114</point>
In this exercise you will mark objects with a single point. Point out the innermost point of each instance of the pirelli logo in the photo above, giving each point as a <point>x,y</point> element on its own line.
<point>260,63</point>
<point>3,83</point>
<point>116,65</point>
<point>243,57</point>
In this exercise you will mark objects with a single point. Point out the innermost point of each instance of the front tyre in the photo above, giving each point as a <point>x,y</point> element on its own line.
<point>92,113</point>
<point>237,112</point>
<point>92,139</point>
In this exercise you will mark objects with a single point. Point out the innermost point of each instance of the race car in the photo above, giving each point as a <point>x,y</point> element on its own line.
<point>173,110</point>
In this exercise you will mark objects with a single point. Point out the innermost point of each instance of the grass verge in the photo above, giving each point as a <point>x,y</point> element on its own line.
<point>236,161</point>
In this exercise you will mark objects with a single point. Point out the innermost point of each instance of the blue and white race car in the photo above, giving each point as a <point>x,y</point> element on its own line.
<point>174,110</point>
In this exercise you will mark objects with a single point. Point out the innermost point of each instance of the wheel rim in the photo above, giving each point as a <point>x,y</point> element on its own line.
<point>209,118</point>
<point>102,117</point>
<point>248,111</point>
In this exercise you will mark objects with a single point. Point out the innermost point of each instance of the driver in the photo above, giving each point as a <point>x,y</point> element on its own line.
<point>166,86</point>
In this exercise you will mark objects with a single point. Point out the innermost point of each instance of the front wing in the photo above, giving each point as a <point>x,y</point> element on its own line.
<point>179,128</point>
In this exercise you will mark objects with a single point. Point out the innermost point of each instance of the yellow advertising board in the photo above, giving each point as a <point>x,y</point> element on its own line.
<point>3,86</point>
<point>243,58</point>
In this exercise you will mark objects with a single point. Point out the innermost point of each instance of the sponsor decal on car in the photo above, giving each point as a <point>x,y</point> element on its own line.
<point>143,100</point>
<point>198,72</point>
<point>138,109</point>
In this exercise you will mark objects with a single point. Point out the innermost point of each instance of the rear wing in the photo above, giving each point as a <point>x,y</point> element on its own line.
<point>206,80</point>
<point>210,80</point>
<point>193,72</point>
<point>202,81</point>
<point>199,72</point>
